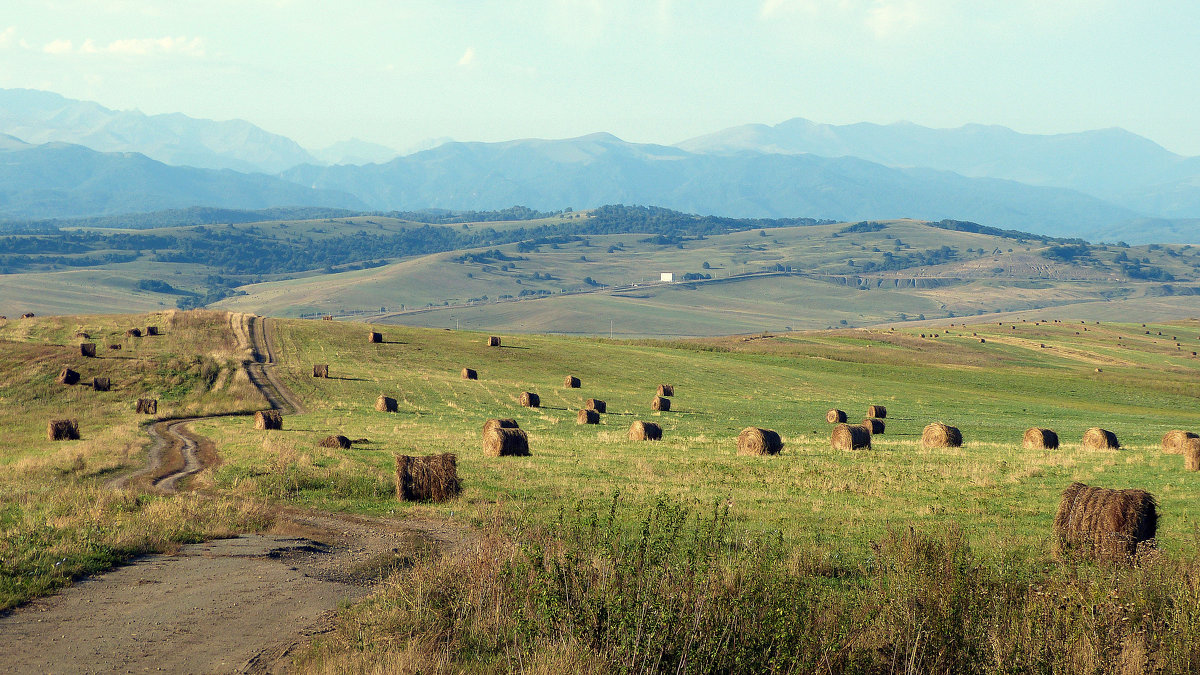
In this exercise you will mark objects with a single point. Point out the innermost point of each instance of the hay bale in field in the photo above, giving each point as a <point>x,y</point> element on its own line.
<point>374,338</point>
<point>1191,454</point>
<point>666,390</point>
<point>938,435</point>
<point>87,349</point>
<point>1037,438</point>
<point>756,441</point>
<point>505,442</point>
<point>385,404</point>
<point>571,382</point>
<point>469,374</point>
<point>850,437</point>
<point>1174,440</point>
<point>645,431</point>
<point>327,317</point>
<point>114,347</point>
<point>134,332</point>
<point>876,411</point>
<point>596,404</point>
<point>337,441</point>
<point>151,330</point>
<point>430,478</point>
<point>27,315</point>
<point>268,419</point>
<point>835,416</point>
<point>873,425</point>
<point>67,376</point>
<point>499,424</point>
<point>586,416</point>
<point>493,341</point>
<point>83,334</point>
<point>147,406</point>
<point>321,370</point>
<point>1104,523</point>
<point>101,384</point>
<point>530,399</point>
<point>660,403</point>
<point>62,430</point>
<point>1099,439</point>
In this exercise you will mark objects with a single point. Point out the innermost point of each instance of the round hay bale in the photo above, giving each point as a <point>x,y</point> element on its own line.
<point>469,374</point>
<point>134,332</point>
<point>530,399</point>
<point>1174,440</point>
<point>62,430</point>
<point>756,441</point>
<point>493,341</point>
<point>114,346</point>
<point>666,390</point>
<point>596,404</point>
<point>147,406</point>
<point>505,442</point>
<point>386,404</point>
<point>152,330</point>
<point>374,338</point>
<point>873,425</point>
<point>571,382</point>
<point>1037,438</point>
<point>101,384</point>
<point>1100,439</point>
<point>68,376</point>
<point>1191,454</point>
<point>1104,523</point>
<point>321,370</point>
<point>645,431</point>
<point>660,403</point>
<point>938,435</point>
<point>586,416</point>
<point>850,437</point>
<point>268,419</point>
<point>87,349</point>
<point>876,411</point>
<point>835,416</point>
<point>335,442</point>
<point>499,424</point>
<point>432,478</point>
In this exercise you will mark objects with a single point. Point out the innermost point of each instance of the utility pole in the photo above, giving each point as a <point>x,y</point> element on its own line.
<point>610,326</point>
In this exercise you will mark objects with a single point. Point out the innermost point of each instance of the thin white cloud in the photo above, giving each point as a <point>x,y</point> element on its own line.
<point>468,57</point>
<point>131,47</point>
<point>6,36</point>
<point>893,17</point>
<point>58,47</point>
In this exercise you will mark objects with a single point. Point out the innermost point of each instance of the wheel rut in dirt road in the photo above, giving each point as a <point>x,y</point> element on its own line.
<point>177,452</point>
<point>244,604</point>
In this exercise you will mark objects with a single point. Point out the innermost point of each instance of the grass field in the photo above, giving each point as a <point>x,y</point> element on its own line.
<point>992,391</point>
<point>596,548</point>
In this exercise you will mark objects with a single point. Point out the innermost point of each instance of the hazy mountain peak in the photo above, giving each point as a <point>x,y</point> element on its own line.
<point>173,138</point>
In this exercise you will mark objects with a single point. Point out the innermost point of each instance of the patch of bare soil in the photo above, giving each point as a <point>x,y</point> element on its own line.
<point>227,606</point>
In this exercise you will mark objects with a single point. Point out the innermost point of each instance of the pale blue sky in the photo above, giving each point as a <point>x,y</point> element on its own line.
<point>650,70</point>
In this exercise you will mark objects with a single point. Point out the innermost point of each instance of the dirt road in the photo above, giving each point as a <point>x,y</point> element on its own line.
<point>235,605</point>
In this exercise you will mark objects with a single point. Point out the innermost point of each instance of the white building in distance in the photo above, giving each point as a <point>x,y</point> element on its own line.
<point>666,276</point>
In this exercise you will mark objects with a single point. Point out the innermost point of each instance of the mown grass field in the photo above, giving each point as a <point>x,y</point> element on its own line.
<point>58,519</point>
<point>812,560</point>
<point>1003,494</point>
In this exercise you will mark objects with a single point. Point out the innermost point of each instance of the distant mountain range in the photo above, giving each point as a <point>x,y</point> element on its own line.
<point>60,180</point>
<point>1110,164</point>
<point>1101,185</point>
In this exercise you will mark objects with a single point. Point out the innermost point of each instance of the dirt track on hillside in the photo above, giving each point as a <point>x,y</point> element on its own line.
<point>235,605</point>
